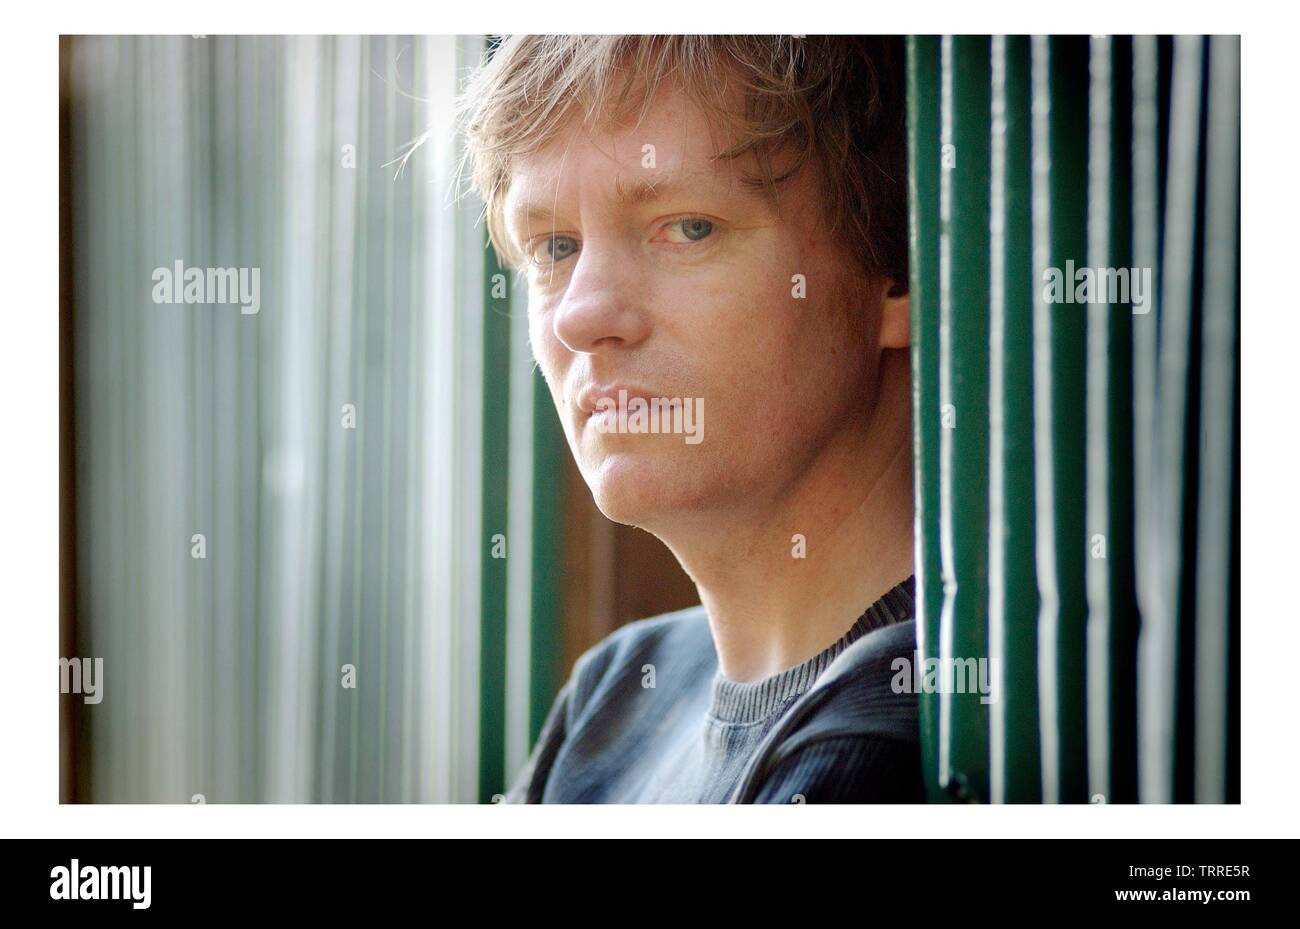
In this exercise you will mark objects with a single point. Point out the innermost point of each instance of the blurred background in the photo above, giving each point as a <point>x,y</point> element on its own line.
<point>336,550</point>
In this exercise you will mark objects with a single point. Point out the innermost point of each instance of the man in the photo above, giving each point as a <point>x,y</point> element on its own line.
<point>718,225</point>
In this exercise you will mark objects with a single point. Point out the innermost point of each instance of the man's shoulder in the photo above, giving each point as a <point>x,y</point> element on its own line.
<point>856,695</point>
<point>686,628</point>
<point>871,657</point>
<point>650,640</point>
<point>854,704</point>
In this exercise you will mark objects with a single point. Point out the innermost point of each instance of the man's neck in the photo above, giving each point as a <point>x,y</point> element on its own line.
<point>784,583</point>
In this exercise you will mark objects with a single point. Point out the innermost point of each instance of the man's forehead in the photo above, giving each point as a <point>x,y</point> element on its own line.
<point>674,143</point>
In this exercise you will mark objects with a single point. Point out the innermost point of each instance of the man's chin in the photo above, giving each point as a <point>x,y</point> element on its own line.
<point>639,489</point>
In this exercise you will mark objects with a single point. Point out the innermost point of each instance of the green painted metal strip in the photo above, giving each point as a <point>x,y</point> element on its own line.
<point>495,509</point>
<point>1124,615</point>
<point>549,449</point>
<point>963,399</point>
<point>924,157</point>
<point>495,515</point>
<point>1059,78</point>
<point>1111,595</point>
<point>1013,586</point>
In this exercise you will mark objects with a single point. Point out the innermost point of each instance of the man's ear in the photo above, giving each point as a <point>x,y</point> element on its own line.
<point>895,316</point>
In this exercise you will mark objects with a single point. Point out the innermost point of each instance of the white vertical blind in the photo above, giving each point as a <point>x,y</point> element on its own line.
<point>324,545</point>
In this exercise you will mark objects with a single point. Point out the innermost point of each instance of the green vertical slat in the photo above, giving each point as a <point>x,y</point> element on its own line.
<point>548,552</point>
<point>924,156</point>
<point>495,498</point>
<point>495,504</point>
<point>1112,623</point>
<point>1069,69</point>
<point>496,494</point>
<point>1060,100</point>
<point>1013,598</point>
<point>1214,602</point>
<point>1124,614</point>
<point>963,397</point>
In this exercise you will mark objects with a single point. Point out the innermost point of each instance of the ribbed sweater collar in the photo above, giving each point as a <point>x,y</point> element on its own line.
<point>750,701</point>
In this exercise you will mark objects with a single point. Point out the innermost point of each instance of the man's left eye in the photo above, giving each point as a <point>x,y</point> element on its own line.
<point>689,230</point>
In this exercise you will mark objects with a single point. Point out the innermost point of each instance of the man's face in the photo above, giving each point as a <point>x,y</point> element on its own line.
<point>653,268</point>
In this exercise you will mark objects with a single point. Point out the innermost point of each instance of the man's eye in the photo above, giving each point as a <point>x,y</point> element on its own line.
<point>555,248</point>
<point>691,230</point>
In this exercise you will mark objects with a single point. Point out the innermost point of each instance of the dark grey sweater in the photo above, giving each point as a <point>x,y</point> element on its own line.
<point>647,717</point>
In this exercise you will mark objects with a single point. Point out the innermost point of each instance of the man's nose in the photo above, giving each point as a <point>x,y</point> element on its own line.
<point>602,307</point>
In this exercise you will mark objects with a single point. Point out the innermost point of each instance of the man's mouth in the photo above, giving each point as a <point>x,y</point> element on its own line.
<point>618,409</point>
<point>606,399</point>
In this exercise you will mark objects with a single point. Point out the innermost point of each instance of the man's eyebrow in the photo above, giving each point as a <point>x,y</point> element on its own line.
<point>654,187</point>
<point>640,190</point>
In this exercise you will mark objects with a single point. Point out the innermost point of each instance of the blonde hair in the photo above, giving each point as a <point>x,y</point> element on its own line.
<point>834,101</point>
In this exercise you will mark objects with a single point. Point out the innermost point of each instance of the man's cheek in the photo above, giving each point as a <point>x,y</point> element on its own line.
<point>771,303</point>
<point>546,351</point>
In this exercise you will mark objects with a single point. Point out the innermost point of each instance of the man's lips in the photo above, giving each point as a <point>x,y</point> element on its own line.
<point>618,394</point>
